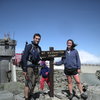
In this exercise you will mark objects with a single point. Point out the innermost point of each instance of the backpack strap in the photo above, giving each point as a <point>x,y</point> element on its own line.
<point>34,47</point>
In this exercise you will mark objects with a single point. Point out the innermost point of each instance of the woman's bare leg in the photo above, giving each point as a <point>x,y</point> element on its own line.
<point>70,84</point>
<point>77,79</point>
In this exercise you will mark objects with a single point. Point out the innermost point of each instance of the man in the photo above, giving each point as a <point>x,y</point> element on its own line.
<point>30,59</point>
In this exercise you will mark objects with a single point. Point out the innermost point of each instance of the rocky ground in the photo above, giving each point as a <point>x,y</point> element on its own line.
<point>14,90</point>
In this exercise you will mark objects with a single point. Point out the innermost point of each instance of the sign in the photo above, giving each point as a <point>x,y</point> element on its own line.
<point>49,55</point>
<point>52,54</point>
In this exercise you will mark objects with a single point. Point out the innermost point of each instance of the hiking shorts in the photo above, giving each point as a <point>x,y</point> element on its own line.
<point>72,71</point>
<point>32,75</point>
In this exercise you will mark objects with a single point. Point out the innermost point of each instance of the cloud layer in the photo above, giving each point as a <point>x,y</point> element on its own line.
<point>88,58</point>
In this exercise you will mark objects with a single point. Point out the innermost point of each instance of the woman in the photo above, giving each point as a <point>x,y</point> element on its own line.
<point>72,67</point>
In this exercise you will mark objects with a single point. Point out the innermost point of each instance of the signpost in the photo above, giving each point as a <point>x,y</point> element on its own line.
<point>49,55</point>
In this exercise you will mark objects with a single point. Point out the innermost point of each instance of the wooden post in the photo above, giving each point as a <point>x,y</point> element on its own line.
<point>51,74</point>
<point>49,55</point>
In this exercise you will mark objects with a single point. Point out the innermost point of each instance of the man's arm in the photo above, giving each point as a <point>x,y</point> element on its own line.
<point>25,57</point>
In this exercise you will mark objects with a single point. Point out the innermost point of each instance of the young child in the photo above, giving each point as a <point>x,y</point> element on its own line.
<point>45,75</point>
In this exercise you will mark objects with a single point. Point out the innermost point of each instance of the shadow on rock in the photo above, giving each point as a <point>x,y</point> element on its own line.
<point>34,96</point>
<point>67,93</point>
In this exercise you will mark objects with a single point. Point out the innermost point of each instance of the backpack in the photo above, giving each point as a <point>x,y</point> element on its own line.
<point>34,54</point>
<point>21,61</point>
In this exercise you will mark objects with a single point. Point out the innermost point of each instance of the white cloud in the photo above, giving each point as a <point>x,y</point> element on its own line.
<point>88,58</point>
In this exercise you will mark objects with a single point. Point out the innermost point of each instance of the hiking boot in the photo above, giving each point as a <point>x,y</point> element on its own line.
<point>70,96</point>
<point>26,99</point>
<point>85,87</point>
<point>84,96</point>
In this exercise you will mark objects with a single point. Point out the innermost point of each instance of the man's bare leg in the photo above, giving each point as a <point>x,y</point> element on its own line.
<point>26,92</point>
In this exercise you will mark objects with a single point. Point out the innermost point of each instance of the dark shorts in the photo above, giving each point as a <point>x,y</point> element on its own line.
<point>69,72</point>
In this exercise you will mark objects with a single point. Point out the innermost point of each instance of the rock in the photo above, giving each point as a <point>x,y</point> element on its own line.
<point>98,74</point>
<point>14,87</point>
<point>1,86</point>
<point>5,95</point>
<point>19,97</point>
<point>90,81</point>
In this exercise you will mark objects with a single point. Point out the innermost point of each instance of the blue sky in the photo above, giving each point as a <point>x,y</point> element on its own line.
<point>55,20</point>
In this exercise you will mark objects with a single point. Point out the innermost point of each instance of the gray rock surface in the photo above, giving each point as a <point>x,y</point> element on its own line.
<point>14,87</point>
<point>5,95</point>
<point>15,90</point>
<point>90,79</point>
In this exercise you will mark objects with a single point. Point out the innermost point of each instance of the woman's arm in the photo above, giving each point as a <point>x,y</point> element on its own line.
<point>60,62</point>
<point>78,60</point>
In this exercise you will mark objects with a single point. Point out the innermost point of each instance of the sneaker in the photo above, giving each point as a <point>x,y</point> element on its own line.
<point>70,96</point>
<point>84,96</point>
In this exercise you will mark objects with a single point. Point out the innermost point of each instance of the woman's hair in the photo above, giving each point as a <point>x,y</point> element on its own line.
<point>73,44</point>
